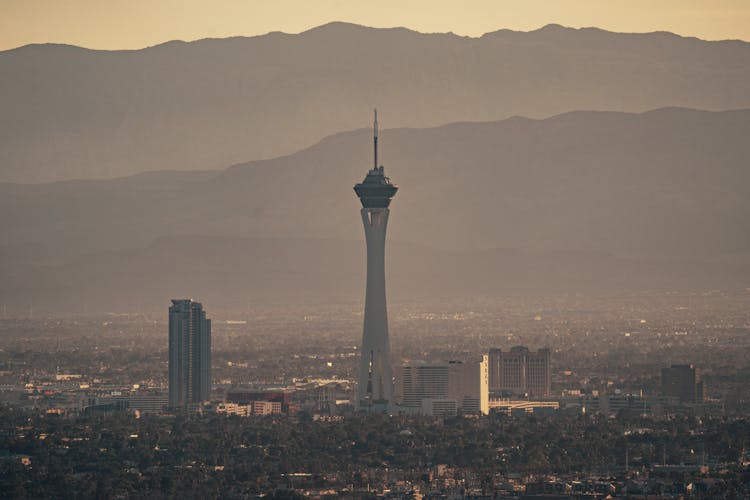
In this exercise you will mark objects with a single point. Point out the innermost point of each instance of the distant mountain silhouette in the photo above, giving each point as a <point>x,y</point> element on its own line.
<point>665,182</point>
<point>69,112</point>
<point>580,201</point>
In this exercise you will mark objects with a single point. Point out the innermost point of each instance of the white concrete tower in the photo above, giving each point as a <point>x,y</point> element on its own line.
<point>375,391</point>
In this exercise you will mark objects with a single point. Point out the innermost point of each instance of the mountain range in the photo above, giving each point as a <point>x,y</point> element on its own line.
<point>70,112</point>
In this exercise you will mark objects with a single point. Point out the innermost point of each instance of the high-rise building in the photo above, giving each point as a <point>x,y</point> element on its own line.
<point>435,388</point>
<point>683,382</point>
<point>189,353</point>
<point>420,382</point>
<point>520,371</point>
<point>375,389</point>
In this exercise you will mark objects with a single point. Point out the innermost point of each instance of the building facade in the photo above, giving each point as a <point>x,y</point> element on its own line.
<point>189,353</point>
<point>148,403</point>
<point>520,371</point>
<point>444,388</point>
<point>683,382</point>
<point>234,409</point>
<point>281,399</point>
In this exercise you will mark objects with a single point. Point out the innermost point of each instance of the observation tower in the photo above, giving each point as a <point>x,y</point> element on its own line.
<point>375,390</point>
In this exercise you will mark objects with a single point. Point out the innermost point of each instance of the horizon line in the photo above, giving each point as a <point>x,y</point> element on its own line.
<point>547,26</point>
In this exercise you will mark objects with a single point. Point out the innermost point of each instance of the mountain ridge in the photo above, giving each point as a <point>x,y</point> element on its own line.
<point>78,113</point>
<point>332,25</point>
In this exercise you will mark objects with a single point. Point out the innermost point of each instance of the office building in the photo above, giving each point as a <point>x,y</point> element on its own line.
<point>520,371</point>
<point>375,389</point>
<point>189,354</point>
<point>683,382</point>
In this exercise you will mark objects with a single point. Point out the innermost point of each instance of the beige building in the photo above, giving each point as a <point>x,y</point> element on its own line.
<point>251,408</point>
<point>266,407</point>
<point>234,409</point>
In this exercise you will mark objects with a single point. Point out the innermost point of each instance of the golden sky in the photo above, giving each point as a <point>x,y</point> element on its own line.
<point>129,24</point>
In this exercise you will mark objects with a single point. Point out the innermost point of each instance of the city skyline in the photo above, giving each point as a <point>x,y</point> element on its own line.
<point>568,304</point>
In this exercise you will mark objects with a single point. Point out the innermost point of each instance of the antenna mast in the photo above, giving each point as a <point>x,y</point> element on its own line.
<point>375,139</point>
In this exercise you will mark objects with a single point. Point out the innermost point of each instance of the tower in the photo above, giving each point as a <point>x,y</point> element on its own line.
<point>189,353</point>
<point>375,379</point>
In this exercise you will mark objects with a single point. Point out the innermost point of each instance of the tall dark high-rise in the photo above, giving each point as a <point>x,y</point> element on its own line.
<point>683,382</point>
<point>375,378</point>
<point>189,353</point>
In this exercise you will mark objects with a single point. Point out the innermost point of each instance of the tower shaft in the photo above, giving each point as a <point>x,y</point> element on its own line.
<point>375,377</point>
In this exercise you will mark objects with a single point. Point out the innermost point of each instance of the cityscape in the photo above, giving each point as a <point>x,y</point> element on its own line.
<point>556,305</point>
<point>622,388</point>
<point>132,374</point>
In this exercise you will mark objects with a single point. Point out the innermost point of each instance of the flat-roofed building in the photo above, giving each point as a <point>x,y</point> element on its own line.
<point>251,396</point>
<point>266,407</point>
<point>683,382</point>
<point>234,409</point>
<point>520,371</point>
<point>443,388</point>
<point>148,403</point>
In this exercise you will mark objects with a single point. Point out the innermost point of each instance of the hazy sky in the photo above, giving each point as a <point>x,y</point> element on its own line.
<point>115,24</point>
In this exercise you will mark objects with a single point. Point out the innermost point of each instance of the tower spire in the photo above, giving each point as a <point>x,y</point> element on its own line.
<point>375,139</point>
